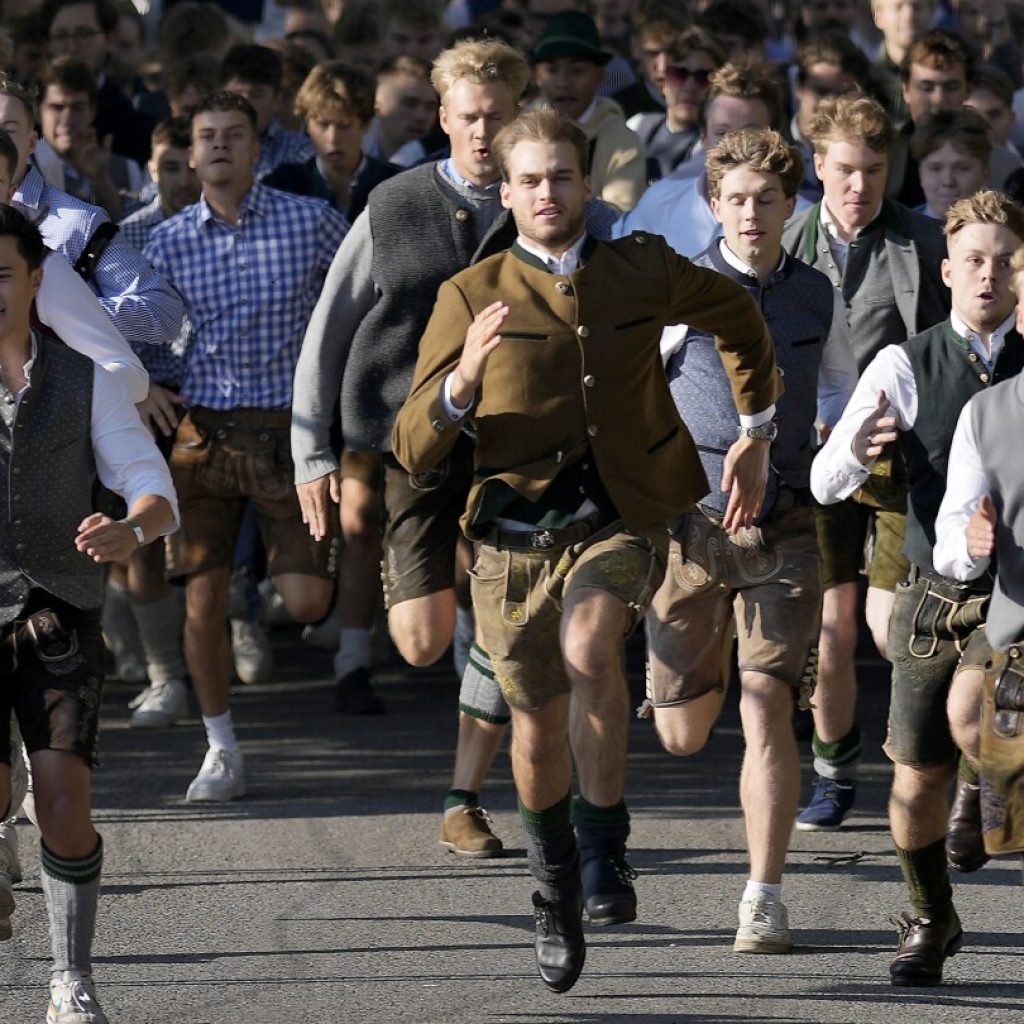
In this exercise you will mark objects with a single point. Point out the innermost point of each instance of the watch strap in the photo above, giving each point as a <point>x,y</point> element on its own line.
<point>140,535</point>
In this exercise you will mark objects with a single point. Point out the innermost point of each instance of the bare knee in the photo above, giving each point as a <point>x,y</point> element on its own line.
<point>682,739</point>
<point>360,526</point>
<point>307,598</point>
<point>684,729</point>
<point>878,611</point>
<point>590,658</point>
<point>422,629</point>
<point>206,601</point>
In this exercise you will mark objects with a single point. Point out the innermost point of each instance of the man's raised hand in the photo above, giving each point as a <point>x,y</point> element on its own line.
<point>482,338</point>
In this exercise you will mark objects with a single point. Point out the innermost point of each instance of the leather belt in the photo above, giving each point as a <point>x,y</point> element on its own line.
<point>982,585</point>
<point>545,539</point>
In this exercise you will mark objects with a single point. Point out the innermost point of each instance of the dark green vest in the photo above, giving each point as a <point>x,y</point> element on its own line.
<point>948,373</point>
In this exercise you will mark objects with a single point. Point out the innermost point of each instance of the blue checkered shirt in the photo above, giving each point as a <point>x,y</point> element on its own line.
<point>249,290</point>
<point>138,226</point>
<point>280,146</point>
<point>143,307</point>
<point>164,364</point>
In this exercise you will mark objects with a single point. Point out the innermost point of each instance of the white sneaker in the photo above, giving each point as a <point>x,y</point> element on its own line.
<point>221,778</point>
<point>251,652</point>
<point>73,1000</point>
<point>764,927</point>
<point>160,704</point>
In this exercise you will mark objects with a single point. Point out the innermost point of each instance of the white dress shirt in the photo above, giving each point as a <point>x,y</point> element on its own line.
<point>966,485</point>
<point>836,472</point>
<point>67,304</point>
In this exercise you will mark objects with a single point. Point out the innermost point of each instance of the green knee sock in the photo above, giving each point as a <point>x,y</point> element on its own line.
<point>927,877</point>
<point>551,848</point>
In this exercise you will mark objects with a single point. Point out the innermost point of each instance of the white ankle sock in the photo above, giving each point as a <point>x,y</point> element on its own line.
<point>353,653</point>
<point>755,889</point>
<point>220,732</point>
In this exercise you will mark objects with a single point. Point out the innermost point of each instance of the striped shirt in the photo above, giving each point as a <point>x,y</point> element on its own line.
<point>249,290</point>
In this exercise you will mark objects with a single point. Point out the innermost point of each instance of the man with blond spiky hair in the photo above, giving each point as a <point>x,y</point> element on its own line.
<point>936,644</point>
<point>419,228</point>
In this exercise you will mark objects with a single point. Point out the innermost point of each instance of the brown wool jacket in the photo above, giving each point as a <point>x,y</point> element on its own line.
<point>579,366</point>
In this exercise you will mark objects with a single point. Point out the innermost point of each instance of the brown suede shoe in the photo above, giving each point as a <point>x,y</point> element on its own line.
<point>466,831</point>
<point>924,947</point>
<point>965,848</point>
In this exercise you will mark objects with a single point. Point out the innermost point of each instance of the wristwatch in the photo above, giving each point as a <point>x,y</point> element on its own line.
<point>765,432</point>
<point>140,536</point>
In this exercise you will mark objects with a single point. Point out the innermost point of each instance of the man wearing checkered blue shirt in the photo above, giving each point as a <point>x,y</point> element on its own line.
<point>249,262</point>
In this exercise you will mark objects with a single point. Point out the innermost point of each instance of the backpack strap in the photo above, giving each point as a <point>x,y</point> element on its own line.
<point>85,265</point>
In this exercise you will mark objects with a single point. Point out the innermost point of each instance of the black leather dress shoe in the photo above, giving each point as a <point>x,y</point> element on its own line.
<point>354,694</point>
<point>608,892</point>
<point>965,847</point>
<point>560,946</point>
<point>924,947</point>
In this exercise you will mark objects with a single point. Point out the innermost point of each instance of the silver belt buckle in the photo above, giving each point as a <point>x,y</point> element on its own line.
<point>541,540</point>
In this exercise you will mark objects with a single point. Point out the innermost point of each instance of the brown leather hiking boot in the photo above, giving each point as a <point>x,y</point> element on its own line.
<point>466,831</point>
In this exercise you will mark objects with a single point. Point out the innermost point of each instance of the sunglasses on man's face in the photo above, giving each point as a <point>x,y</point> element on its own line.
<point>681,74</point>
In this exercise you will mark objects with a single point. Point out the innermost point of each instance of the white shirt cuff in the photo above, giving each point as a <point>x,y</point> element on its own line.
<point>758,419</point>
<point>452,411</point>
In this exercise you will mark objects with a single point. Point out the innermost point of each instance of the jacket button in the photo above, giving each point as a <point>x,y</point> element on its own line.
<point>16,471</point>
<point>589,380</point>
<point>973,356</point>
<point>983,378</point>
<point>461,215</point>
<point>592,430</point>
<point>582,331</point>
<point>640,237</point>
<point>438,425</point>
<point>563,287</point>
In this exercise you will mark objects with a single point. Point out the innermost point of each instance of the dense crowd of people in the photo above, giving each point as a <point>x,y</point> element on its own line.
<point>540,321</point>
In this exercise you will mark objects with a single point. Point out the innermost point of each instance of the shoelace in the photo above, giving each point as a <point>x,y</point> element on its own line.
<point>75,994</point>
<point>905,924</point>
<point>623,869</point>
<point>542,915</point>
<point>480,813</point>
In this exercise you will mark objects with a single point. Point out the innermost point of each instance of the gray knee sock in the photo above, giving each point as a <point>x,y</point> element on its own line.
<point>72,889</point>
<point>480,696</point>
<point>161,624</point>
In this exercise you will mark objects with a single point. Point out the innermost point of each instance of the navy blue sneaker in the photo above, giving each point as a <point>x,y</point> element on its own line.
<point>830,803</point>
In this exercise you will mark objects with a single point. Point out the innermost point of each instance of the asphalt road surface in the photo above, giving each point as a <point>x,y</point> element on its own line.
<point>324,896</point>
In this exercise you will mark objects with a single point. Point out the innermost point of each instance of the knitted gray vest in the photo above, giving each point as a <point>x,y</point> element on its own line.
<point>997,416</point>
<point>797,304</point>
<point>48,472</point>
<point>424,232</point>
